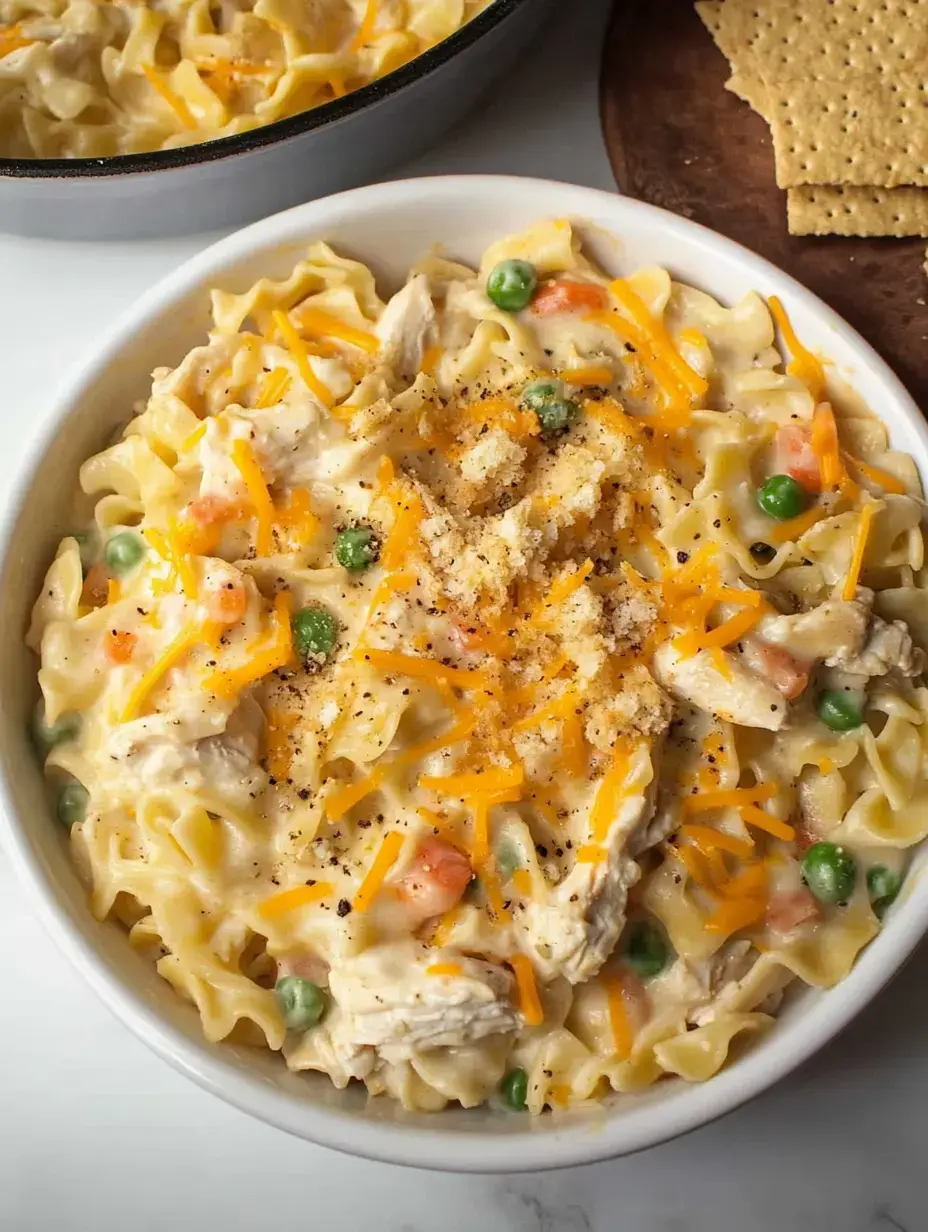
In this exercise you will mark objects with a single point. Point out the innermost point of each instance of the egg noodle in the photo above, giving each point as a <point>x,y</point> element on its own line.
<point>93,78</point>
<point>502,691</point>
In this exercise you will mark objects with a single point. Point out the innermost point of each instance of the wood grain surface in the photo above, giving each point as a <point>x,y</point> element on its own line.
<point>676,137</point>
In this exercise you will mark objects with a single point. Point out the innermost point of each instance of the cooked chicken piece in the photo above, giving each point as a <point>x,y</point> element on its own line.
<point>889,647</point>
<point>388,1000</point>
<point>574,928</point>
<point>737,696</point>
<point>833,629</point>
<point>407,328</point>
<point>845,634</point>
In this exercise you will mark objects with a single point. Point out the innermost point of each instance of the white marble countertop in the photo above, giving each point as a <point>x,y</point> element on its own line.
<point>97,1134</point>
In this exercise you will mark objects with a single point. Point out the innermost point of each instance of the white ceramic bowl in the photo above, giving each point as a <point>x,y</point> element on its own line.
<point>390,226</point>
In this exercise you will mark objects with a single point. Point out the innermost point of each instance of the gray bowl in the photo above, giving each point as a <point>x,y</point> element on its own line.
<point>223,183</point>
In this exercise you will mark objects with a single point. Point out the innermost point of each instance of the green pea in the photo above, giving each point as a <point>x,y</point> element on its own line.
<point>781,497</point>
<point>87,544</point>
<point>72,803</point>
<point>47,735</point>
<point>356,548</point>
<point>645,949</point>
<point>514,1090</point>
<point>123,553</point>
<point>830,872</point>
<point>508,858</point>
<point>839,711</point>
<point>314,632</point>
<point>301,1002</point>
<point>556,415</point>
<point>511,285</point>
<point>883,886</point>
<point>534,396</point>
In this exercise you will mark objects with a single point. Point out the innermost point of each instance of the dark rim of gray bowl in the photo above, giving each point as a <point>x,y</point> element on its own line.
<point>281,130</point>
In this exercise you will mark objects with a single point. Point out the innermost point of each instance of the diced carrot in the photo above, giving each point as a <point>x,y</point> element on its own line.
<point>435,880</point>
<point>784,671</point>
<point>119,646</point>
<point>96,586</point>
<point>568,295</point>
<point>228,602</point>
<point>213,510</point>
<point>796,457</point>
<point>787,909</point>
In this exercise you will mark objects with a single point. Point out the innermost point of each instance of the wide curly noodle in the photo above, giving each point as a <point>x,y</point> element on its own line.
<point>94,78</point>
<point>584,665</point>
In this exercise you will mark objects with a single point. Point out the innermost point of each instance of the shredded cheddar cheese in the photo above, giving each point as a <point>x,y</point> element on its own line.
<point>294,344</point>
<point>269,654</point>
<point>733,797</point>
<point>529,1001</point>
<point>319,324</point>
<point>291,900</point>
<point>244,458</point>
<point>760,818</point>
<point>860,548</point>
<point>273,388</point>
<point>622,1035</point>
<point>804,365</point>
<point>384,860</point>
<point>177,104</point>
<point>444,968</point>
<point>172,655</point>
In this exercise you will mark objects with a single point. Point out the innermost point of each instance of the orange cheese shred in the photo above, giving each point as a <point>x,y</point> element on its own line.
<point>622,1035</point>
<point>707,839</point>
<point>731,916</point>
<point>589,853</point>
<point>420,668</point>
<point>805,366</point>
<point>172,655</point>
<point>594,375</point>
<point>609,795</point>
<point>273,388</point>
<point>795,528</point>
<point>529,1001</point>
<point>384,860</point>
<point>247,465</point>
<point>883,479</point>
<point>294,344</point>
<point>270,653</point>
<point>495,779</point>
<point>754,816</point>
<point>290,900</point>
<point>174,101</point>
<point>319,324</point>
<point>444,968</point>
<point>722,635</point>
<point>344,798</point>
<point>733,797</point>
<point>522,880</point>
<point>860,548</point>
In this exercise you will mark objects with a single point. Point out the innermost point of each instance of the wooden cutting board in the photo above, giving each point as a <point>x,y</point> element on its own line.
<point>677,138</point>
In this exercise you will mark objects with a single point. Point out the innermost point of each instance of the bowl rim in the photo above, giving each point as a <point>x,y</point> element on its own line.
<point>571,1142</point>
<point>332,112</point>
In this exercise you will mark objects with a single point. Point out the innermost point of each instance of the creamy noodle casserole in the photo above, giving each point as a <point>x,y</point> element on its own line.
<point>93,78</point>
<point>500,692</point>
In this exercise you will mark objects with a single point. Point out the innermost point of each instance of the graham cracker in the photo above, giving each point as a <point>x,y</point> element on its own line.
<point>834,39</point>
<point>867,130</point>
<point>825,209</point>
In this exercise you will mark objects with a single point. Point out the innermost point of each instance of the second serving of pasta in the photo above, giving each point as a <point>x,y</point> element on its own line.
<point>501,692</point>
<point>94,78</point>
